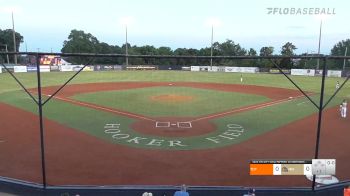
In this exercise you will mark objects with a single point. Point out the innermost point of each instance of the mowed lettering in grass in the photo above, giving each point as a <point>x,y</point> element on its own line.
<point>232,132</point>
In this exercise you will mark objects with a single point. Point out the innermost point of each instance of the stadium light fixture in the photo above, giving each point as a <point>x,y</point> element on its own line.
<point>126,21</point>
<point>14,39</point>
<point>212,22</point>
<point>321,18</point>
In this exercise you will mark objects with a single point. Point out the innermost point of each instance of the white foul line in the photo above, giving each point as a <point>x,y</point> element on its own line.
<point>103,108</point>
<point>263,105</point>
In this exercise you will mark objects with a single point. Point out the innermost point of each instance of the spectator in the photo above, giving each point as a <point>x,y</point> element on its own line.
<point>251,192</point>
<point>182,191</point>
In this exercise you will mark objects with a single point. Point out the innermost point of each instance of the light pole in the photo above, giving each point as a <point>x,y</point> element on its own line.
<point>125,21</point>
<point>319,46</point>
<point>211,49</point>
<point>14,39</point>
<point>7,55</point>
<point>126,45</point>
<point>212,22</point>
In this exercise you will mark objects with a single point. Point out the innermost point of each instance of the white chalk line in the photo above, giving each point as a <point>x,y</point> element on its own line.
<point>103,108</point>
<point>263,105</point>
<point>259,106</point>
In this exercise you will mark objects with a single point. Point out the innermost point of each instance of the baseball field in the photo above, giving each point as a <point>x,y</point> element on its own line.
<point>167,127</point>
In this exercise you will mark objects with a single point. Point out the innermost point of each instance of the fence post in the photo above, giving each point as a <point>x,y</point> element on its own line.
<point>40,107</point>
<point>319,122</point>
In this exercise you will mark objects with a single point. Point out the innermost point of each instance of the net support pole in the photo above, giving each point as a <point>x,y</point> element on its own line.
<point>319,122</point>
<point>40,108</point>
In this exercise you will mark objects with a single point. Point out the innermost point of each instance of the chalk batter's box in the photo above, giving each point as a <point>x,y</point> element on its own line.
<point>293,167</point>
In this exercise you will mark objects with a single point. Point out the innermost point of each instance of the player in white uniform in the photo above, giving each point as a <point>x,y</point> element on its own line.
<point>343,109</point>
<point>241,78</point>
<point>337,85</point>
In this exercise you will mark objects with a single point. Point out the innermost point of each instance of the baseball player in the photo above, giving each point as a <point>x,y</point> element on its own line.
<point>241,78</point>
<point>341,109</point>
<point>337,86</point>
<point>344,108</point>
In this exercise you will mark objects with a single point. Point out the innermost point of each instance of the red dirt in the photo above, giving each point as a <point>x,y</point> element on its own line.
<point>270,92</point>
<point>74,157</point>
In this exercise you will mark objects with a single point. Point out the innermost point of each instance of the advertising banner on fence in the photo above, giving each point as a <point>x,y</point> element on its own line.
<point>88,68</point>
<point>54,68</point>
<point>44,68</point>
<point>242,69</point>
<point>31,68</point>
<point>303,72</point>
<point>75,68</point>
<point>213,68</point>
<point>194,68</point>
<point>118,67</point>
<point>19,69</point>
<point>66,68</point>
<point>104,67</point>
<point>334,73</point>
<point>221,69</point>
<point>277,71</point>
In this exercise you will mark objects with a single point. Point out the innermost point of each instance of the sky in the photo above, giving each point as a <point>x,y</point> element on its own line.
<point>46,24</point>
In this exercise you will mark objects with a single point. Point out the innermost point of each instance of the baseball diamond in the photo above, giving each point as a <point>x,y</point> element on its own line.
<point>112,127</point>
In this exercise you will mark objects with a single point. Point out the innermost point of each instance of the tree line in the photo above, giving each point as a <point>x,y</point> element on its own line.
<point>6,41</point>
<point>81,42</point>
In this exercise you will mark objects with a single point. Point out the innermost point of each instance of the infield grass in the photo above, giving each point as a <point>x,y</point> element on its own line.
<point>142,101</point>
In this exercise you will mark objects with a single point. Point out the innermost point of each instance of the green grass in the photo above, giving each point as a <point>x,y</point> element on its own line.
<point>140,101</point>
<point>275,80</point>
<point>92,121</point>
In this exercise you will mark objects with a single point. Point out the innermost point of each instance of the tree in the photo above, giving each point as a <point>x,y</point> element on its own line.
<point>186,52</point>
<point>165,51</point>
<point>230,48</point>
<point>80,42</point>
<point>252,52</point>
<point>251,62</point>
<point>266,51</point>
<point>104,48</point>
<point>6,38</point>
<point>339,50</point>
<point>287,50</point>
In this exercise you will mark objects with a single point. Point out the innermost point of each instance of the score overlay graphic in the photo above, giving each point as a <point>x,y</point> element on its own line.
<point>293,167</point>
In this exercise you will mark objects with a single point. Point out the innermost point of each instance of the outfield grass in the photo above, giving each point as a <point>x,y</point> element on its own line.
<point>275,80</point>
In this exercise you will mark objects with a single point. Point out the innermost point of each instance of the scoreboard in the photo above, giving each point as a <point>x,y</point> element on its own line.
<point>293,167</point>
